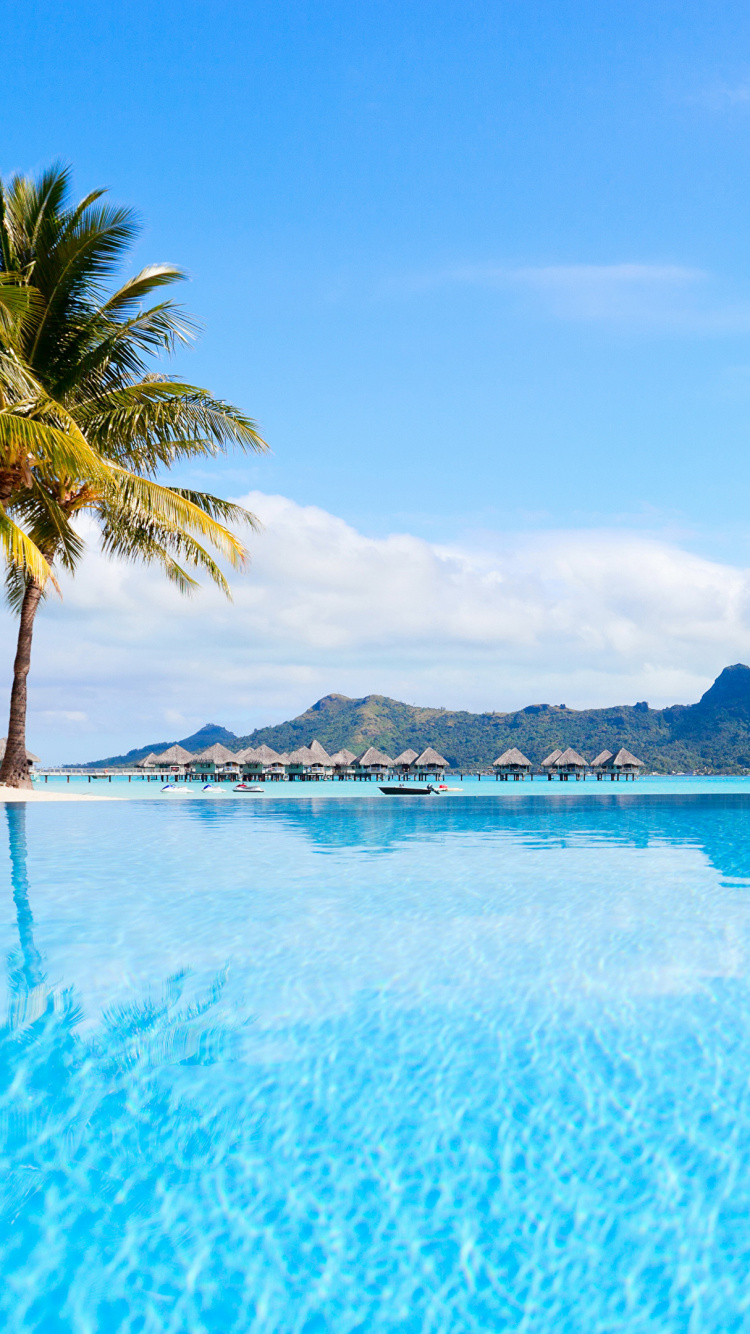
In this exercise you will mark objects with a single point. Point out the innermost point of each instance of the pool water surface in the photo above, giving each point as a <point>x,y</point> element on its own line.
<point>365,1065</point>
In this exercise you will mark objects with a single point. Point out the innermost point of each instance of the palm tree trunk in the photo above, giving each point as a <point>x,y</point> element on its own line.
<point>14,770</point>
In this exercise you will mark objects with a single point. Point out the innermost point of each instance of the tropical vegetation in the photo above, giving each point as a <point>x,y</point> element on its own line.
<point>88,426</point>
<point>712,735</point>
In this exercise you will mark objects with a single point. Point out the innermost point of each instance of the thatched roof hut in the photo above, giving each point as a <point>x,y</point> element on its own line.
<point>602,759</point>
<point>513,761</point>
<point>343,759</point>
<point>30,759</point>
<point>302,756</point>
<point>626,762</point>
<point>247,756</point>
<point>430,760</point>
<point>313,759</point>
<point>551,759</point>
<point>217,755</point>
<point>175,755</point>
<point>405,760</point>
<point>270,757</point>
<point>569,761</point>
<point>374,759</point>
<point>148,762</point>
<point>320,755</point>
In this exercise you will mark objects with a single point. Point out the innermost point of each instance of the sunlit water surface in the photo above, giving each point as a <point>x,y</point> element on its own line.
<point>332,1065</point>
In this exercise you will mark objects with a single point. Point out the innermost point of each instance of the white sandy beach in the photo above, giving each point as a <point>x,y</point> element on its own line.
<point>25,794</point>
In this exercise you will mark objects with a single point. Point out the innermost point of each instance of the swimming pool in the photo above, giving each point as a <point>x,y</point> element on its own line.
<point>332,1065</point>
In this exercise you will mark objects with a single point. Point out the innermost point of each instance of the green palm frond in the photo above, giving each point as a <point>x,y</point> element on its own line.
<point>20,304</point>
<point>107,354</point>
<point>88,249</point>
<point>225,510</point>
<point>25,206</point>
<point>49,524</point>
<point>142,285</point>
<point>151,544</point>
<point>18,386</point>
<point>145,499</point>
<point>154,422</point>
<point>84,427</point>
<point>16,582</point>
<point>21,553</point>
<point>63,453</point>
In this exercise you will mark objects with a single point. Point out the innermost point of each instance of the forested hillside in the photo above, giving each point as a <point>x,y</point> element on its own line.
<point>713,734</point>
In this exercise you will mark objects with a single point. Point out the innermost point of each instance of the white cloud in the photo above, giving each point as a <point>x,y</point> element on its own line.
<point>667,297</point>
<point>722,96</point>
<point>580,617</point>
<point>63,716</point>
<point>611,291</point>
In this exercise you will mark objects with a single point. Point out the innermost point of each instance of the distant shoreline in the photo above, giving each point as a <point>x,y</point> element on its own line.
<point>711,737</point>
<point>540,791</point>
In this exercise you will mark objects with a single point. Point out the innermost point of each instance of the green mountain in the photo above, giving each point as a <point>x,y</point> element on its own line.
<point>207,735</point>
<point>712,735</point>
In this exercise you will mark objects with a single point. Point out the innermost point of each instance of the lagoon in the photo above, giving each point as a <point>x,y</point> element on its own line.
<point>319,1063</point>
<point>139,789</point>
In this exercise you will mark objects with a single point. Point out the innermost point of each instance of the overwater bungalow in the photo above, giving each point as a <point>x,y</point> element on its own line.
<point>512,764</point>
<point>249,761</point>
<point>148,762</point>
<point>343,763</point>
<point>322,762</point>
<point>624,764</point>
<point>372,764</point>
<point>601,760</point>
<point>404,763</point>
<point>430,762</point>
<point>272,765</point>
<point>309,762</point>
<point>215,761</point>
<point>258,761</point>
<point>570,762</point>
<point>176,760</point>
<point>551,759</point>
<point>297,762</point>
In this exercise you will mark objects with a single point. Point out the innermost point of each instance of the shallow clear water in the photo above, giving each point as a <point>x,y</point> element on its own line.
<point>333,1065</point>
<point>137,788</point>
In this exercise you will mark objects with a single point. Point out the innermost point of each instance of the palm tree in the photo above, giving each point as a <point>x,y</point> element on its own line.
<point>85,426</point>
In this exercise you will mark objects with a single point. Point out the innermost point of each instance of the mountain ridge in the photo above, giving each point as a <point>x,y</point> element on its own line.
<point>711,735</point>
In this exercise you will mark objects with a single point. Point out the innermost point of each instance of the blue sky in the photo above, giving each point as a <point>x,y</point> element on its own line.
<point>478,269</point>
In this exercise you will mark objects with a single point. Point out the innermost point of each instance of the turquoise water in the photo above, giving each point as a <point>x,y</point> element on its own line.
<point>318,1064</point>
<point>139,789</point>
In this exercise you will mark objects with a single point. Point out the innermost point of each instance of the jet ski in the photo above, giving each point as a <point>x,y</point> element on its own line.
<point>246,787</point>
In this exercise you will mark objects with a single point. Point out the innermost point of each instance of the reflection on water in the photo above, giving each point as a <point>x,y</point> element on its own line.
<point>425,1128</point>
<point>30,975</point>
<point>92,1139</point>
<point>719,824</point>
